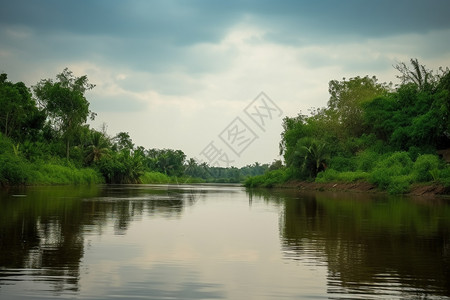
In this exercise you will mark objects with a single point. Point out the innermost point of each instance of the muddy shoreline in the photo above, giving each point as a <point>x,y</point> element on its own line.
<point>365,187</point>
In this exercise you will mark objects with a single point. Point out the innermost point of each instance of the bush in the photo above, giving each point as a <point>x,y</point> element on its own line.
<point>13,170</point>
<point>425,166</point>
<point>269,179</point>
<point>342,164</point>
<point>331,175</point>
<point>328,175</point>
<point>399,184</point>
<point>385,171</point>
<point>444,176</point>
<point>154,177</point>
<point>367,160</point>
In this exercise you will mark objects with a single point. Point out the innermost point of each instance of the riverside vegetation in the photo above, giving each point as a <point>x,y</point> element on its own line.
<point>372,132</point>
<point>45,139</point>
<point>369,132</point>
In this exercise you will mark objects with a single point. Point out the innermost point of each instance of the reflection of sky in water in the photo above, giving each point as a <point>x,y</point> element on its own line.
<point>217,248</point>
<point>185,242</point>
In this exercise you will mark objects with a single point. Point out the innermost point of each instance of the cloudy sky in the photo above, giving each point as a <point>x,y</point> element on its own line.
<point>183,74</point>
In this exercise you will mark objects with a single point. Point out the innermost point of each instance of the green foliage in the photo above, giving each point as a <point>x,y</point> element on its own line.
<point>331,175</point>
<point>342,164</point>
<point>155,177</point>
<point>166,161</point>
<point>347,98</point>
<point>399,184</point>
<point>65,103</point>
<point>444,176</point>
<point>45,173</point>
<point>367,160</point>
<point>13,170</point>
<point>392,172</point>
<point>19,116</point>
<point>362,134</point>
<point>368,126</point>
<point>425,166</point>
<point>122,167</point>
<point>98,146</point>
<point>268,180</point>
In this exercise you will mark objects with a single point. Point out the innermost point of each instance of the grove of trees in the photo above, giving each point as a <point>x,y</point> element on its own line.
<point>45,139</point>
<point>371,131</point>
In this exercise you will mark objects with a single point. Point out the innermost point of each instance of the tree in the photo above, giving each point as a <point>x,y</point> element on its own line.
<point>65,103</point>
<point>310,157</point>
<point>123,141</point>
<point>99,146</point>
<point>419,75</point>
<point>416,114</point>
<point>19,116</point>
<point>347,97</point>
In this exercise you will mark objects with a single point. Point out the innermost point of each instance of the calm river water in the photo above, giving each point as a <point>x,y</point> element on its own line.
<point>220,242</point>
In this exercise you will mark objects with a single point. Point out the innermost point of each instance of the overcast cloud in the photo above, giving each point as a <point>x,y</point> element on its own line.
<point>174,74</point>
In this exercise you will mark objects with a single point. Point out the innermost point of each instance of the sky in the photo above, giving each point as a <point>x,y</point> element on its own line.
<point>215,78</point>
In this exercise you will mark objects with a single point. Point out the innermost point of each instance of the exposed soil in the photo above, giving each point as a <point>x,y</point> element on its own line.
<point>365,187</point>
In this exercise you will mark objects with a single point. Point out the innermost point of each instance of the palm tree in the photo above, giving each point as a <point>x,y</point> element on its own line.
<point>419,75</point>
<point>98,147</point>
<point>314,157</point>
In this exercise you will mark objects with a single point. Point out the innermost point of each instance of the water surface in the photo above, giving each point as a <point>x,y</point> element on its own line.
<point>220,242</point>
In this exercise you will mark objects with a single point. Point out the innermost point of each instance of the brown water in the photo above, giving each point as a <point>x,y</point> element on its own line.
<point>220,242</point>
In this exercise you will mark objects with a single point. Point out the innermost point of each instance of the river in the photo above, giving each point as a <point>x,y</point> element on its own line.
<point>220,242</point>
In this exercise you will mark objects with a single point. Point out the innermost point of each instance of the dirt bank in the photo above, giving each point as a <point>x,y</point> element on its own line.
<point>365,187</point>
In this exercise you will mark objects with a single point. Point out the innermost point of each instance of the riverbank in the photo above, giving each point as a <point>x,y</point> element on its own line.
<point>430,189</point>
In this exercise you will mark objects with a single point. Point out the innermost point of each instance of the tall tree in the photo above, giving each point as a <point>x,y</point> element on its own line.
<point>347,97</point>
<point>19,115</point>
<point>65,103</point>
<point>419,75</point>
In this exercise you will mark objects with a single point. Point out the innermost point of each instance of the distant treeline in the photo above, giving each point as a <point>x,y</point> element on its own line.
<point>45,139</point>
<point>375,132</point>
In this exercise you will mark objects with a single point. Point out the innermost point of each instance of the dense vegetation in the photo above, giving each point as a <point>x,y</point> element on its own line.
<point>44,139</point>
<point>371,132</point>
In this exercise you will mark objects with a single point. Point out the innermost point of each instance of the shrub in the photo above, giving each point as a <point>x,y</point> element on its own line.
<point>269,179</point>
<point>397,164</point>
<point>399,184</point>
<point>154,177</point>
<point>444,177</point>
<point>13,170</point>
<point>425,166</point>
<point>342,164</point>
<point>328,175</point>
<point>331,175</point>
<point>367,160</point>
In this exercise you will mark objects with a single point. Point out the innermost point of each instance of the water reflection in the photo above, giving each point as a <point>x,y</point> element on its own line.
<point>42,229</point>
<point>372,245</point>
<point>207,242</point>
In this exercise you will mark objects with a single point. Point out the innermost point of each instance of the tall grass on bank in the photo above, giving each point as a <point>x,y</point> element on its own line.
<point>53,173</point>
<point>15,170</point>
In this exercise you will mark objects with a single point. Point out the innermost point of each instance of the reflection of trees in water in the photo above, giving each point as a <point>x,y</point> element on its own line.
<point>44,231</point>
<point>367,241</point>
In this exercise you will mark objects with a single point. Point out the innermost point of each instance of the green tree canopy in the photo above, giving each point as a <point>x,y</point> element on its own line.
<point>65,103</point>
<point>347,97</point>
<point>19,116</point>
